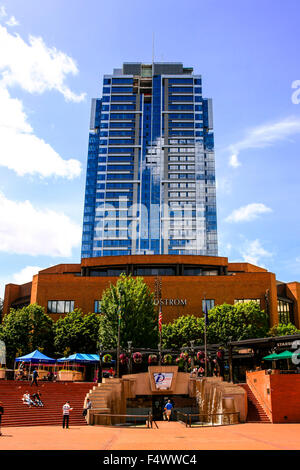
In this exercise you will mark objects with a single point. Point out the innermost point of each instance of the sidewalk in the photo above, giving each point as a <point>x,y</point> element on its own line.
<point>169,436</point>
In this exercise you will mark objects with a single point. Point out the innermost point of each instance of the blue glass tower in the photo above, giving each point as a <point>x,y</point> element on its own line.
<point>150,182</point>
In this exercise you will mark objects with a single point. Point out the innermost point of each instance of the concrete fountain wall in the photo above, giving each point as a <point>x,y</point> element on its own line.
<point>216,397</point>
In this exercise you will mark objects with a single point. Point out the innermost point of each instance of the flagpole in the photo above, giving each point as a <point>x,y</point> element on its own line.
<point>205,341</point>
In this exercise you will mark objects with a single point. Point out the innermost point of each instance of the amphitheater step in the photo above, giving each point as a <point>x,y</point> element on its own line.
<point>54,395</point>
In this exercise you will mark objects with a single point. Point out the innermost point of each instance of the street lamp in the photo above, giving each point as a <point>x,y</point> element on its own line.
<point>119,331</point>
<point>100,364</point>
<point>192,354</point>
<point>129,354</point>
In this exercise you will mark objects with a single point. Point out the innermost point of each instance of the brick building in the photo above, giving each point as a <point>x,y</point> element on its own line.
<point>186,282</point>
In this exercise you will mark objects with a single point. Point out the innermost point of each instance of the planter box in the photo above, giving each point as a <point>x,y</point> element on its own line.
<point>70,376</point>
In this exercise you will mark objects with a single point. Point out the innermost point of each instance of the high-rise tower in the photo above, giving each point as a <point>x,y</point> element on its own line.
<point>150,182</point>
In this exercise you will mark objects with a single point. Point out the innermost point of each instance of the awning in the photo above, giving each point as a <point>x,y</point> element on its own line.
<point>80,358</point>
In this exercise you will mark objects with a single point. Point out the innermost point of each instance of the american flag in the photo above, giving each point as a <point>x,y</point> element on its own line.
<point>160,320</point>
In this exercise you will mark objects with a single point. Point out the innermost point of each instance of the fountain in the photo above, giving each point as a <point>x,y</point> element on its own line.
<point>219,402</point>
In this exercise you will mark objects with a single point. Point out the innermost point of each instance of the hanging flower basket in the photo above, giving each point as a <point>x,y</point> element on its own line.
<point>184,355</point>
<point>123,359</point>
<point>167,359</point>
<point>200,355</point>
<point>137,358</point>
<point>220,355</point>
<point>152,359</point>
<point>107,358</point>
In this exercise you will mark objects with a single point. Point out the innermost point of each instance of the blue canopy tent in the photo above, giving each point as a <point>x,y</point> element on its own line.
<point>81,359</point>
<point>35,357</point>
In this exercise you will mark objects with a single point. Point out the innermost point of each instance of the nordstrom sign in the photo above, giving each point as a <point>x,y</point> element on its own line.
<point>170,302</point>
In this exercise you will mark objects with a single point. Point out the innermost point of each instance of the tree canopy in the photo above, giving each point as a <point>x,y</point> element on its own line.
<point>236,322</point>
<point>25,330</point>
<point>181,331</point>
<point>282,329</point>
<point>132,299</point>
<point>76,333</point>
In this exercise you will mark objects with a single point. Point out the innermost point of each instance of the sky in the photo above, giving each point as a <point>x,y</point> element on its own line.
<point>52,59</point>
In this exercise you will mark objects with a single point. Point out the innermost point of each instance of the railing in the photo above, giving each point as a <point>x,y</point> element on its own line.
<point>209,419</point>
<point>258,393</point>
<point>182,417</point>
<point>149,418</point>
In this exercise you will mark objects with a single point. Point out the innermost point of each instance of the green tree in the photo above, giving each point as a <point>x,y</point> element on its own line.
<point>76,333</point>
<point>26,329</point>
<point>181,331</point>
<point>239,321</point>
<point>1,309</point>
<point>282,329</point>
<point>134,300</point>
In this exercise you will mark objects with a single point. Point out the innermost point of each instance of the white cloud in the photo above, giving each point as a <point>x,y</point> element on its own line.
<point>264,136</point>
<point>25,275</point>
<point>248,213</point>
<point>24,152</point>
<point>34,66</point>
<point>253,251</point>
<point>233,161</point>
<point>12,21</point>
<point>27,230</point>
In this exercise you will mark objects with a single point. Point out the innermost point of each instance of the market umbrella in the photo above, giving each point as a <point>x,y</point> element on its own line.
<point>285,355</point>
<point>272,357</point>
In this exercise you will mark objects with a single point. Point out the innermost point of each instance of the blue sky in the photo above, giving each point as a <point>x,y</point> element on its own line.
<point>52,58</point>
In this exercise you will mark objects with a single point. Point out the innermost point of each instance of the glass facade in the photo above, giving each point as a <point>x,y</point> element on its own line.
<point>150,181</point>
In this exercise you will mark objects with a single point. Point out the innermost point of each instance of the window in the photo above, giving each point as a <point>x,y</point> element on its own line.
<point>97,306</point>
<point>285,311</point>
<point>157,271</point>
<point>60,306</point>
<point>210,303</point>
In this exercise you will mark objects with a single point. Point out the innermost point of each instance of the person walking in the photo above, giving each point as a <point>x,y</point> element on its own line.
<point>34,377</point>
<point>168,409</point>
<point>66,414</point>
<point>1,413</point>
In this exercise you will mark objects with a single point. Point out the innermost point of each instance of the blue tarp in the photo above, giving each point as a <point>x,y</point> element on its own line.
<point>81,358</point>
<point>36,357</point>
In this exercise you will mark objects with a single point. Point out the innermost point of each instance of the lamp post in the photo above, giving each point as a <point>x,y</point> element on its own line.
<point>158,287</point>
<point>129,354</point>
<point>100,364</point>
<point>119,332</point>
<point>192,354</point>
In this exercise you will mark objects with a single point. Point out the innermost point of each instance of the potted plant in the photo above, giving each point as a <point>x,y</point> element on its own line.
<point>137,358</point>
<point>167,359</point>
<point>152,359</point>
<point>2,372</point>
<point>107,358</point>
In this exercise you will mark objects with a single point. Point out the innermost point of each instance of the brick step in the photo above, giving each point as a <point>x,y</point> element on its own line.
<point>54,396</point>
<point>256,413</point>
